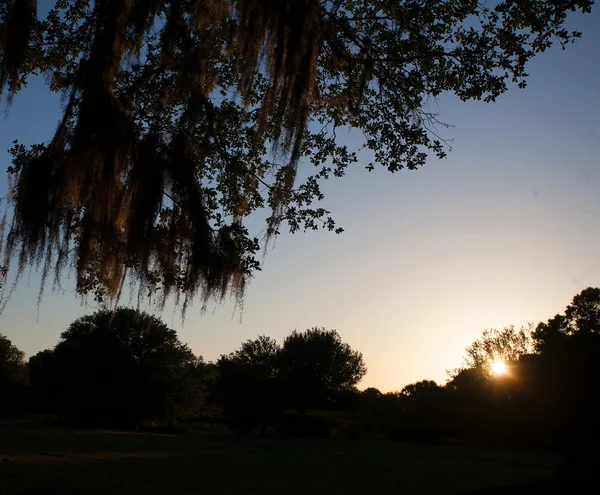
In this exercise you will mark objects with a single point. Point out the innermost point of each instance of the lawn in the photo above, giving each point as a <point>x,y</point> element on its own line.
<point>104,462</point>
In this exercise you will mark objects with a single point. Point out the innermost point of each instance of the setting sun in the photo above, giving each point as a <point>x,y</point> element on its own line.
<point>498,367</point>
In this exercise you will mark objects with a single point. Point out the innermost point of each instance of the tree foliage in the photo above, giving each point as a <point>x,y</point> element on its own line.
<point>583,314</point>
<point>422,388</point>
<point>317,368</point>
<point>312,369</point>
<point>247,386</point>
<point>13,377</point>
<point>423,396</point>
<point>475,386</point>
<point>120,366</point>
<point>12,363</point>
<point>569,348</point>
<point>372,400</point>
<point>579,323</point>
<point>552,368</point>
<point>182,118</point>
<point>506,345</point>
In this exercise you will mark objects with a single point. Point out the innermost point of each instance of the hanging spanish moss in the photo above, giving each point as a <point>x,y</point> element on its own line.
<point>17,28</point>
<point>182,118</point>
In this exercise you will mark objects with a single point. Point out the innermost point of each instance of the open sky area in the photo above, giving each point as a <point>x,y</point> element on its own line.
<point>504,231</point>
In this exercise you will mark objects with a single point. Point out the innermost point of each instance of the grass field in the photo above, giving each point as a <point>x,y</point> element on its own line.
<point>103,462</point>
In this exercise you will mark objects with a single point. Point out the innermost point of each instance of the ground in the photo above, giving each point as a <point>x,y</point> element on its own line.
<point>69,462</point>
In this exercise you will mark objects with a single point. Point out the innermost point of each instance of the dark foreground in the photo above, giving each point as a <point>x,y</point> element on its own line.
<point>104,462</point>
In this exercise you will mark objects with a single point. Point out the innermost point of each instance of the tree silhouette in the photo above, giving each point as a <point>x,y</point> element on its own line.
<point>583,313</point>
<point>12,363</point>
<point>474,386</point>
<point>120,366</point>
<point>579,324</point>
<point>552,370</point>
<point>45,379</point>
<point>423,388</point>
<point>318,369</point>
<point>13,376</point>
<point>423,396</point>
<point>506,345</point>
<point>371,398</point>
<point>176,113</point>
<point>569,346</point>
<point>247,383</point>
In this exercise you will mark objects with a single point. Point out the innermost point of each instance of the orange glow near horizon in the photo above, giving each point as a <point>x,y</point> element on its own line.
<point>498,368</point>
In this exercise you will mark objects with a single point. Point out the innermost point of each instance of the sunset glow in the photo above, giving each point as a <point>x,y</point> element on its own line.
<point>498,367</point>
<point>493,235</point>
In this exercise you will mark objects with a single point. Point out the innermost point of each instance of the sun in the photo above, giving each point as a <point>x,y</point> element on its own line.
<point>498,367</point>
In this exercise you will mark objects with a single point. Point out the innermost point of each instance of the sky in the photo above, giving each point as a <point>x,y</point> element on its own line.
<point>504,231</point>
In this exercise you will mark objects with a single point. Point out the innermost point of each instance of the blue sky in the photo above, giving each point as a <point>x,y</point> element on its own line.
<point>504,231</point>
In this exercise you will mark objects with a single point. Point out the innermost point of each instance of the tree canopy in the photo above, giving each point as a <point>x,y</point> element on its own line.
<point>183,118</point>
<point>312,369</point>
<point>119,366</point>
<point>13,376</point>
<point>578,325</point>
<point>12,362</point>
<point>125,366</point>
<point>569,344</point>
<point>247,384</point>
<point>506,345</point>
<point>317,368</point>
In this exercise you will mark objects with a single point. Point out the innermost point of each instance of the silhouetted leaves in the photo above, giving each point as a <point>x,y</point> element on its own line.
<point>181,119</point>
<point>120,367</point>
<point>247,383</point>
<point>313,369</point>
<point>317,368</point>
<point>13,376</point>
<point>123,366</point>
<point>12,363</point>
<point>506,346</point>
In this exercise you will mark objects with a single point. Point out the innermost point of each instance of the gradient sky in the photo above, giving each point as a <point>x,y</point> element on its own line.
<point>504,231</point>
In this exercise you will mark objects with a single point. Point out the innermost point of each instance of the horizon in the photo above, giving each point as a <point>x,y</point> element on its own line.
<point>502,232</point>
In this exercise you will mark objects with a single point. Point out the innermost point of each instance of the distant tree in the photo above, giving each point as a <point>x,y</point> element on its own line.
<point>506,345</point>
<point>259,356</point>
<point>186,387</point>
<point>13,377</point>
<point>391,402</point>
<point>370,399</point>
<point>122,366</point>
<point>474,387</point>
<point>247,383</point>
<point>548,390</point>
<point>551,336</point>
<point>13,369</point>
<point>182,118</point>
<point>317,368</point>
<point>371,394</point>
<point>41,367</point>
<point>569,349</point>
<point>579,325</point>
<point>470,390</point>
<point>44,377</point>
<point>583,314</point>
<point>423,388</point>
<point>204,406</point>
<point>423,396</point>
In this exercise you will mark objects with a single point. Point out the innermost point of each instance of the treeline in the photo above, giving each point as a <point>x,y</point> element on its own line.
<point>125,367</point>
<point>535,385</point>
